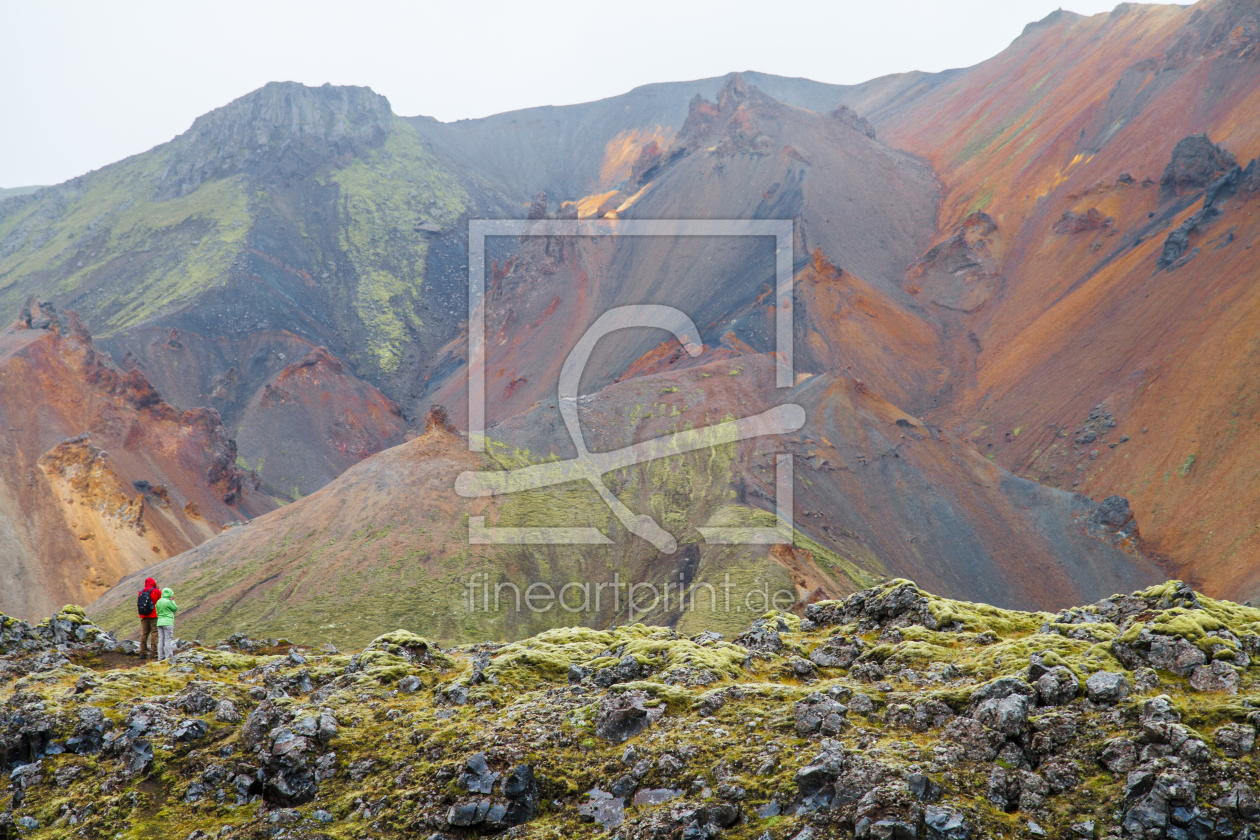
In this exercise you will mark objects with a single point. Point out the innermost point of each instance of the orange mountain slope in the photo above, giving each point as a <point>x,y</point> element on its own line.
<point>1066,142</point>
<point>300,417</point>
<point>1019,286</point>
<point>100,476</point>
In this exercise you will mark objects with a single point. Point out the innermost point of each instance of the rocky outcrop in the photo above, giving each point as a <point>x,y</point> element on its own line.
<point>223,475</point>
<point>279,131</point>
<point>437,418</point>
<point>1111,521</point>
<point>1230,29</point>
<point>1090,220</point>
<point>955,721</point>
<point>899,605</point>
<point>647,163</point>
<point>1249,185</point>
<point>45,316</point>
<point>84,470</point>
<point>1177,249</point>
<point>731,125</point>
<point>852,119</point>
<point>959,272</point>
<point>1196,162</point>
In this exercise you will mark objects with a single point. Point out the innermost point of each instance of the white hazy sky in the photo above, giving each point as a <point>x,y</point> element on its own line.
<point>83,84</point>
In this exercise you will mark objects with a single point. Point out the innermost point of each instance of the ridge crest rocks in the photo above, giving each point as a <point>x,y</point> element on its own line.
<point>280,131</point>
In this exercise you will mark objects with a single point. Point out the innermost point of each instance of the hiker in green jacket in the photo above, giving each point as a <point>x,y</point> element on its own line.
<point>166,609</point>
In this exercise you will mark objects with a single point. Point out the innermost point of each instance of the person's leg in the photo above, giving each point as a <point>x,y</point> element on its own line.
<point>170,641</point>
<point>161,651</point>
<point>146,630</point>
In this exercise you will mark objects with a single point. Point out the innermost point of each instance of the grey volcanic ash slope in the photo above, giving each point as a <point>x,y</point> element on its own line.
<point>573,151</point>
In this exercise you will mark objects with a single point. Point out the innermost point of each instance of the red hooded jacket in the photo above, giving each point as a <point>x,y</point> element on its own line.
<point>150,586</point>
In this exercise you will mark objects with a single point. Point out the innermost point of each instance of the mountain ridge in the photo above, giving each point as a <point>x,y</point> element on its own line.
<point>980,248</point>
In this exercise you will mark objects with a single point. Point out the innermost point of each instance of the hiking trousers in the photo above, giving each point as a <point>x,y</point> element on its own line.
<point>148,627</point>
<point>166,642</point>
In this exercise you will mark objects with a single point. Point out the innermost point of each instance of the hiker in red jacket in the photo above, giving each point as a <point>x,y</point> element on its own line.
<point>146,605</point>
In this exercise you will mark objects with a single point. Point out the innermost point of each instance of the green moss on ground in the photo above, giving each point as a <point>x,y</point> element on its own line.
<point>730,736</point>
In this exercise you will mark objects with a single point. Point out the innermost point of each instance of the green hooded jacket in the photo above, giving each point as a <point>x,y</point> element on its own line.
<point>166,608</point>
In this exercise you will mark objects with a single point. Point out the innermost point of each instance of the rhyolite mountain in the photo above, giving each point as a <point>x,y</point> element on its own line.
<point>878,493</point>
<point>1047,255</point>
<point>936,511</point>
<point>100,474</point>
<point>1107,343</point>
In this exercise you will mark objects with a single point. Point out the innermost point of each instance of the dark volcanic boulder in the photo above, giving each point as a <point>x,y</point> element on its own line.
<point>140,761</point>
<point>945,824</point>
<point>622,715</point>
<point>196,701</point>
<point>1057,687</point>
<point>521,789</point>
<point>477,776</point>
<point>1159,651</point>
<point>837,652</point>
<point>257,730</point>
<point>819,712</point>
<point>290,772</point>
<point>1196,162</point>
<point>1114,512</point>
<point>896,604</point>
<point>1107,688</point>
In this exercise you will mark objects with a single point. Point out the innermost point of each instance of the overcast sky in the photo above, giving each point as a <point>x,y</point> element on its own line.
<point>83,84</point>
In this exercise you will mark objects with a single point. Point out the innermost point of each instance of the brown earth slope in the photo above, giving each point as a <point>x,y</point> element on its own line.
<point>312,421</point>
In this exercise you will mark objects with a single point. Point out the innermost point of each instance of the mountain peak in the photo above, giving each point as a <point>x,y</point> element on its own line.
<point>280,129</point>
<point>1059,15</point>
<point>729,118</point>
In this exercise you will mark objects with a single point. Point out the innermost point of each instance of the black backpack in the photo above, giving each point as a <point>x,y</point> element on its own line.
<point>144,603</point>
